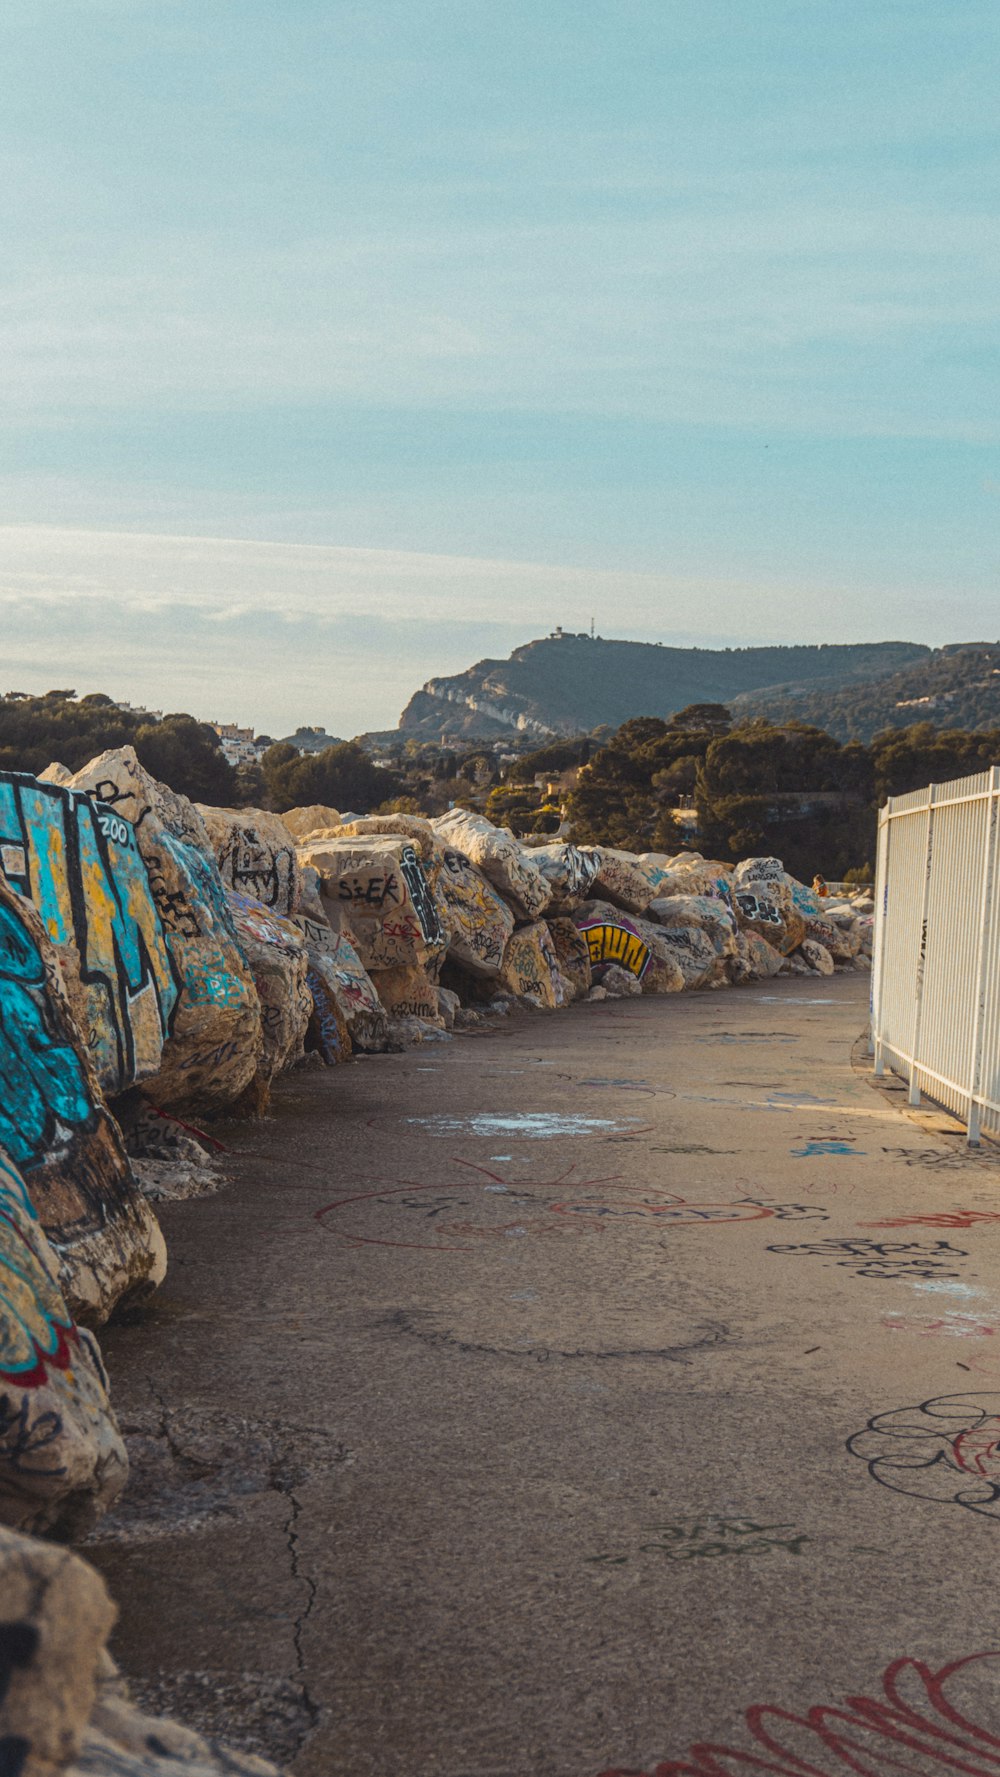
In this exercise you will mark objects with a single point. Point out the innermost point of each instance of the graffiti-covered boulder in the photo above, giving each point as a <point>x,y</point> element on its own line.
<point>375,888</point>
<point>62,1460</point>
<point>78,861</point>
<point>477,922</point>
<point>212,1052</point>
<point>407,992</point>
<point>55,1129</point>
<point>279,961</point>
<point>496,852</point>
<point>841,940</point>
<point>569,870</point>
<point>624,881</point>
<point>707,913</point>
<point>531,967</point>
<point>573,953</point>
<point>612,938</point>
<point>762,899</point>
<point>693,951</point>
<point>255,853</point>
<point>707,880</point>
<point>340,973</point>
<point>817,956</point>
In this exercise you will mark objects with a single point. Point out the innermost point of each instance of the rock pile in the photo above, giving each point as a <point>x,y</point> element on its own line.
<point>161,961</point>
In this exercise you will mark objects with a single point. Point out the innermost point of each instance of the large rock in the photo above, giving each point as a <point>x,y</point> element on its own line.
<point>341,975</point>
<point>476,921</point>
<point>762,898</point>
<point>301,822</point>
<point>214,1046</point>
<point>56,1130</point>
<point>613,939</point>
<point>755,959</point>
<point>63,1706</point>
<point>531,967</point>
<point>414,827</point>
<point>255,853</point>
<point>841,940</point>
<point>276,951</point>
<point>407,992</point>
<point>62,1461</point>
<point>79,862</point>
<point>496,852</point>
<point>573,953</point>
<point>569,870</point>
<point>375,887</point>
<point>817,956</point>
<point>708,914</point>
<point>624,881</point>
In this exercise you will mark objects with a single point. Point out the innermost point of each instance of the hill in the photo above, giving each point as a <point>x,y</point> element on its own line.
<point>953,687</point>
<point>571,684</point>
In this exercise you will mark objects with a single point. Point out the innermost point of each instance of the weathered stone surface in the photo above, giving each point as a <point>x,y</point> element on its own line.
<point>531,967</point>
<point>301,822</point>
<point>123,1741</point>
<point>617,984</point>
<point>57,1617</point>
<point>613,939</point>
<point>279,961</point>
<point>663,973</point>
<point>692,947</point>
<point>416,828</point>
<point>407,992</point>
<point>708,914</point>
<point>62,1461</point>
<point>56,1130</point>
<point>573,953</point>
<point>375,887</point>
<point>755,959</point>
<point>339,971</point>
<point>709,880</point>
<point>476,921</point>
<point>449,1006</point>
<point>817,956</point>
<point>569,870</point>
<point>496,852</point>
<point>78,861</point>
<point>211,1053</point>
<point>843,941</point>
<point>624,881</point>
<point>255,853</point>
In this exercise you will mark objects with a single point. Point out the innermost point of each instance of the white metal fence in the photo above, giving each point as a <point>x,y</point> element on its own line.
<point>936,963</point>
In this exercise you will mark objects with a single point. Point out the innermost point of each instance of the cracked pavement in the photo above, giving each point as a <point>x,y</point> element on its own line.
<point>532,1405</point>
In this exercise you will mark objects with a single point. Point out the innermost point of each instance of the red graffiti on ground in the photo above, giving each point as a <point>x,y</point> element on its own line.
<point>945,1218</point>
<point>978,1450</point>
<point>958,1326</point>
<point>851,1735</point>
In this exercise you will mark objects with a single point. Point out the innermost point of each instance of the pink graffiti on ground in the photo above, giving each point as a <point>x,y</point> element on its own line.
<point>832,1737</point>
<point>958,1326</point>
<point>460,1230</point>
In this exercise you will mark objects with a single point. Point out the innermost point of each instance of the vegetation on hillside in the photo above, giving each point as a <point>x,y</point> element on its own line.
<point>59,727</point>
<point>961,684</point>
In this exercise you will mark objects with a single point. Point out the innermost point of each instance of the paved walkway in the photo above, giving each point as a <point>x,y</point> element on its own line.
<point>534,1405</point>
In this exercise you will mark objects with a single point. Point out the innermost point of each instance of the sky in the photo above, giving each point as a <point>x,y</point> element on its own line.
<point>344,344</point>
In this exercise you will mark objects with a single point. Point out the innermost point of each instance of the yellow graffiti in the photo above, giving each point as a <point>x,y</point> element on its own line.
<point>614,944</point>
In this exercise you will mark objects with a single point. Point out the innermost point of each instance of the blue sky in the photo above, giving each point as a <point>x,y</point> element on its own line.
<point>344,344</point>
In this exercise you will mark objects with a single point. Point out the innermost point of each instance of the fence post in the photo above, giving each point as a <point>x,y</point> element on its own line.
<point>982,968</point>
<point>881,909</point>
<point>913,1096</point>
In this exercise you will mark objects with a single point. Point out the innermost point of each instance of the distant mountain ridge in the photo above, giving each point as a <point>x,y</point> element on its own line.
<point>569,684</point>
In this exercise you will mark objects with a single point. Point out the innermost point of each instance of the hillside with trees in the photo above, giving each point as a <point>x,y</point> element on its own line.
<point>955,687</point>
<point>59,726</point>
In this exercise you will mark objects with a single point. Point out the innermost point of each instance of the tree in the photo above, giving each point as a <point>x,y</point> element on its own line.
<point>714,718</point>
<point>186,755</point>
<point>342,777</point>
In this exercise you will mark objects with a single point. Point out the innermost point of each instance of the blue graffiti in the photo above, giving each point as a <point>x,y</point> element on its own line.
<point>825,1147</point>
<point>43,1087</point>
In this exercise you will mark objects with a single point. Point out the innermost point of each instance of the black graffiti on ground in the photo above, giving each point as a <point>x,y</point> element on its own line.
<point>710,1538</point>
<point>884,1258</point>
<point>946,1449</point>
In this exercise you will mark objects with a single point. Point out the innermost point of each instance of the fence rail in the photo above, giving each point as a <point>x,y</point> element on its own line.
<point>936,962</point>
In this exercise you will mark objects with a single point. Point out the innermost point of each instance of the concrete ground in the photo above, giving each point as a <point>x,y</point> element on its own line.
<point>536,1404</point>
